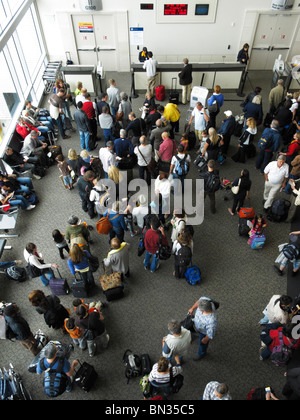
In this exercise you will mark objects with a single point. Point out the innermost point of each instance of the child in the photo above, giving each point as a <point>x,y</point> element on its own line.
<point>61,243</point>
<point>92,307</point>
<point>76,333</point>
<point>203,140</point>
<point>257,225</point>
<point>65,170</point>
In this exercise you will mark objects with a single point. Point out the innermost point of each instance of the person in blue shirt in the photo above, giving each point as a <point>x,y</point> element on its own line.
<point>227,130</point>
<point>273,142</point>
<point>78,261</point>
<point>123,146</point>
<point>118,222</point>
<point>217,97</point>
<point>50,357</point>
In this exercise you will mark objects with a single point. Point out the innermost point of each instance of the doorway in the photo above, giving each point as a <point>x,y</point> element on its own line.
<point>97,39</point>
<point>274,36</point>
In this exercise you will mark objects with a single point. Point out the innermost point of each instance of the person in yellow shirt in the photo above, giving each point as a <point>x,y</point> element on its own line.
<point>172,114</point>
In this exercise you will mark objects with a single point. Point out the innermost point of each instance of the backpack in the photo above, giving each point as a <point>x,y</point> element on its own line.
<point>133,365</point>
<point>104,226</point>
<point>55,381</point>
<point>16,273</point>
<point>290,251</point>
<point>266,140</point>
<point>279,211</point>
<point>164,252</point>
<point>181,167</point>
<point>215,107</point>
<point>193,276</point>
<point>184,256</point>
<point>213,183</point>
<point>188,227</point>
<point>281,354</point>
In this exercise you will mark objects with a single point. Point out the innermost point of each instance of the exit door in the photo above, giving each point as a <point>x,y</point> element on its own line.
<point>95,37</point>
<point>274,36</point>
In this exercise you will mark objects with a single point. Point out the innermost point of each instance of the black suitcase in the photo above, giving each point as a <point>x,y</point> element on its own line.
<point>243,227</point>
<point>79,287</point>
<point>146,364</point>
<point>86,377</point>
<point>114,294</point>
<point>174,94</point>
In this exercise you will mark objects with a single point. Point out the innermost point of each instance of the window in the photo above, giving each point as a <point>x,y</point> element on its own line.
<point>22,62</point>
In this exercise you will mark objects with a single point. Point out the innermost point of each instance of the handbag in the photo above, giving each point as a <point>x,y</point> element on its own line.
<point>127,162</point>
<point>93,263</point>
<point>110,281</point>
<point>175,382</point>
<point>119,115</point>
<point>235,190</point>
<point>151,165</point>
<point>188,323</point>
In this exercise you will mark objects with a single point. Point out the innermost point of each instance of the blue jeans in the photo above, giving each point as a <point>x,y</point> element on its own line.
<point>19,200</point>
<point>48,122</point>
<point>26,185</point>
<point>107,135</point>
<point>46,280</point>
<point>59,123</point>
<point>202,347</point>
<point>154,263</point>
<point>84,140</point>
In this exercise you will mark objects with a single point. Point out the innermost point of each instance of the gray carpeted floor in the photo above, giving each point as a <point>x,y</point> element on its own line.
<point>241,279</point>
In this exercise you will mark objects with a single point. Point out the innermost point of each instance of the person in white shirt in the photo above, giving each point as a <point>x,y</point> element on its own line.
<point>113,97</point>
<point>107,157</point>
<point>163,188</point>
<point>138,213</point>
<point>144,156</point>
<point>150,66</point>
<point>276,177</point>
<point>201,116</point>
<point>81,96</point>
<point>106,123</point>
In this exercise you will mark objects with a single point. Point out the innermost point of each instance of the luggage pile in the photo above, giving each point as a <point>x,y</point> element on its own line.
<point>12,387</point>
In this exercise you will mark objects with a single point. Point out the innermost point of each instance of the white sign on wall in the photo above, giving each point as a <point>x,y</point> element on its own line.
<point>136,36</point>
<point>90,5</point>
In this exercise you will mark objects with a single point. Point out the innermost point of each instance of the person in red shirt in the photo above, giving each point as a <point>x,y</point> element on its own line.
<point>270,338</point>
<point>24,129</point>
<point>152,244</point>
<point>89,109</point>
<point>167,148</point>
<point>293,149</point>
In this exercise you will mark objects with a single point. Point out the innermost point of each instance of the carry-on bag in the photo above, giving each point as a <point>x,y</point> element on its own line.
<point>160,93</point>
<point>174,94</point>
<point>59,286</point>
<point>86,376</point>
<point>79,287</point>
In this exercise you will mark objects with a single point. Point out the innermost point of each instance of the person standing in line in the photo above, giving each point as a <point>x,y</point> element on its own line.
<point>113,97</point>
<point>89,108</point>
<point>277,96</point>
<point>276,178</point>
<point>83,127</point>
<point>186,80</point>
<point>205,323</point>
<point>20,328</point>
<point>106,123</point>
<point>214,391</point>
<point>216,101</point>
<point>201,116</point>
<point>152,245</point>
<point>150,66</point>
<point>243,55</point>
<point>107,157</point>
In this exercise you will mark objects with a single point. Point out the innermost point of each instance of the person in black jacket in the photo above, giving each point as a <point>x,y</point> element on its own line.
<point>20,328</point>
<point>94,328</point>
<point>207,176</point>
<point>244,184</point>
<point>186,80</point>
<point>243,56</point>
<point>84,186</point>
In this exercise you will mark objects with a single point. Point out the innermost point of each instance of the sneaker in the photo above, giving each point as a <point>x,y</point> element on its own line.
<point>31,207</point>
<point>36,176</point>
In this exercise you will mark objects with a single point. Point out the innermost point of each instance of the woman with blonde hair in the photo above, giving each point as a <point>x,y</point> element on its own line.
<point>73,161</point>
<point>78,261</point>
<point>212,145</point>
<point>245,141</point>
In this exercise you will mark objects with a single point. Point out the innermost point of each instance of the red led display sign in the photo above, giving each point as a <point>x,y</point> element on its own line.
<point>176,9</point>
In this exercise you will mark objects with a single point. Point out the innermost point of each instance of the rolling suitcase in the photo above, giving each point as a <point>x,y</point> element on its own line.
<point>79,288</point>
<point>55,151</point>
<point>114,294</point>
<point>86,376</point>
<point>59,286</point>
<point>174,94</point>
<point>257,241</point>
<point>160,93</point>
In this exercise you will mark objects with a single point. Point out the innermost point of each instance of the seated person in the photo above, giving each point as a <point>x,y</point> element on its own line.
<point>22,164</point>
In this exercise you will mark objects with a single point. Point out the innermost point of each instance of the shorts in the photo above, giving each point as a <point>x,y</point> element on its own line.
<point>67,180</point>
<point>296,264</point>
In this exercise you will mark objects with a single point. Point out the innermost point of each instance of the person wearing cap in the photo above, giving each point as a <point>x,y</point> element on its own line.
<point>77,232</point>
<point>205,323</point>
<point>276,178</point>
<point>50,358</point>
<point>227,130</point>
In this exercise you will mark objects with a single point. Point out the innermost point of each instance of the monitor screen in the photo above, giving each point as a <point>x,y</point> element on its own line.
<point>202,9</point>
<point>175,9</point>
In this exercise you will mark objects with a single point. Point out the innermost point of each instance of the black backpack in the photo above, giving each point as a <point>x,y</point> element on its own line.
<point>279,211</point>
<point>133,365</point>
<point>212,183</point>
<point>16,273</point>
<point>184,256</point>
<point>55,381</point>
<point>290,251</point>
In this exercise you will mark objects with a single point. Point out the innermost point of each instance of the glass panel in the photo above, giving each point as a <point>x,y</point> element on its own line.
<point>8,9</point>
<point>17,62</point>
<point>29,42</point>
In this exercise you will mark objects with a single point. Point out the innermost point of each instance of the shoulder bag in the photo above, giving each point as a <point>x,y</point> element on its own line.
<point>235,190</point>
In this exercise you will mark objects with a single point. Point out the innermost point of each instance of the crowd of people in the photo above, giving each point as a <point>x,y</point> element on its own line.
<point>149,144</point>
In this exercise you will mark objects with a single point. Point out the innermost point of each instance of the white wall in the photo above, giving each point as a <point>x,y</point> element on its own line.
<point>169,42</point>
